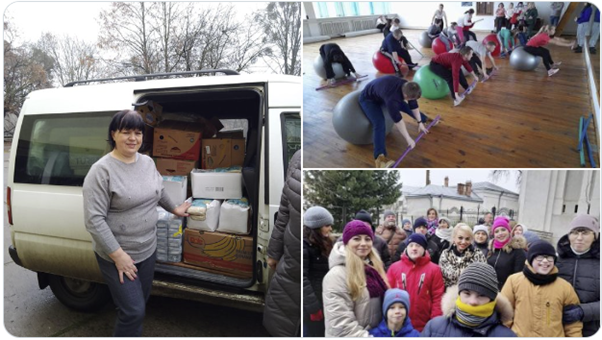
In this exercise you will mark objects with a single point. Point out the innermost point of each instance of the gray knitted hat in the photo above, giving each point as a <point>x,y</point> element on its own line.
<point>387,213</point>
<point>481,278</point>
<point>317,217</point>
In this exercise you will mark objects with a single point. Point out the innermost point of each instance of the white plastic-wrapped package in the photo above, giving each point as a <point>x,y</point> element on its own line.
<point>204,214</point>
<point>234,217</point>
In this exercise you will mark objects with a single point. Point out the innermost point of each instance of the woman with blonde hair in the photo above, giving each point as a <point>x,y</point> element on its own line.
<point>459,255</point>
<point>354,287</point>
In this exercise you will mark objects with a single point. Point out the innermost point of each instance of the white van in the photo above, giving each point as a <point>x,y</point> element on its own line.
<point>44,194</point>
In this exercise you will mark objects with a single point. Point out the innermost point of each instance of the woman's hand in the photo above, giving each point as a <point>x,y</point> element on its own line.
<point>272,263</point>
<point>181,209</point>
<point>124,264</point>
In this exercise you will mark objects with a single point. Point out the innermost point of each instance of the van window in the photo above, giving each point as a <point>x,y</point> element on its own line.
<point>291,135</point>
<point>60,149</point>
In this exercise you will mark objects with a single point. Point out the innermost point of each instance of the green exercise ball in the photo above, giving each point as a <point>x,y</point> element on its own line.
<point>432,86</point>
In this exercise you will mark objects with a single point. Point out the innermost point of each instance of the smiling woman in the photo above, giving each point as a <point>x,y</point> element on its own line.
<point>461,254</point>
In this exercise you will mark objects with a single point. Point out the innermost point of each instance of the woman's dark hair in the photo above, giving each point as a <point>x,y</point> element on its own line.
<point>471,11</point>
<point>325,244</point>
<point>125,120</point>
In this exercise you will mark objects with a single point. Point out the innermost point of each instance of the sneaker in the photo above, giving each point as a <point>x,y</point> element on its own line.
<point>592,50</point>
<point>458,100</point>
<point>552,72</point>
<point>382,162</point>
<point>556,65</point>
<point>578,50</point>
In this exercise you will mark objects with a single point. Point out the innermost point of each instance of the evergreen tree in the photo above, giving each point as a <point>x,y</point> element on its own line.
<point>344,193</point>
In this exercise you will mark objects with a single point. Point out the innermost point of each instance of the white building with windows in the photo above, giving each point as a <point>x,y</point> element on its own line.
<point>550,199</point>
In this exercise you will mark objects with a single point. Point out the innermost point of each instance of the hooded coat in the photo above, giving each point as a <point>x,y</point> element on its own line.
<point>436,246</point>
<point>282,315</point>
<point>406,331</point>
<point>452,265</point>
<point>424,284</point>
<point>392,235</point>
<point>509,259</point>
<point>344,317</point>
<point>315,267</point>
<point>448,326</point>
<point>538,308</point>
<point>583,273</point>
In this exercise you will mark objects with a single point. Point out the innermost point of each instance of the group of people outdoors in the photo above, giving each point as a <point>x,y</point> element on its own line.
<point>431,278</point>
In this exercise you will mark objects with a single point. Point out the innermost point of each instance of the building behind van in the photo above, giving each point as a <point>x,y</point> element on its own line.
<point>61,132</point>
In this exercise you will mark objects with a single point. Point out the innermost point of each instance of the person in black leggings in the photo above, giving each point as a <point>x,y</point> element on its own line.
<point>535,46</point>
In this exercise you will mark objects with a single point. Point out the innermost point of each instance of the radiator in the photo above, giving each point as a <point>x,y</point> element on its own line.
<point>364,25</point>
<point>334,28</point>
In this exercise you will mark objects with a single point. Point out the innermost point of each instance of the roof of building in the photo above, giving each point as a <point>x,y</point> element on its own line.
<point>439,190</point>
<point>490,186</point>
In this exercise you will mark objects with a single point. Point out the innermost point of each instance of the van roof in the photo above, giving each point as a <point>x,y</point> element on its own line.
<point>120,95</point>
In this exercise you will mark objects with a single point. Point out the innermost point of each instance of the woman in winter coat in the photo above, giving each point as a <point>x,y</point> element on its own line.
<point>539,297</point>
<point>461,253</point>
<point>421,278</point>
<point>579,263</point>
<point>481,238</point>
<point>432,218</point>
<point>355,285</point>
<point>281,316</point>
<point>473,308</point>
<point>379,244</point>
<point>390,232</point>
<point>440,240</point>
<point>317,244</point>
<point>506,254</point>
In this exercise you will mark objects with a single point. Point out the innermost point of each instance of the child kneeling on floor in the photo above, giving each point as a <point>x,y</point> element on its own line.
<point>396,323</point>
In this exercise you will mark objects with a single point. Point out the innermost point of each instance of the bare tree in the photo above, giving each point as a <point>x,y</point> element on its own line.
<point>282,26</point>
<point>497,175</point>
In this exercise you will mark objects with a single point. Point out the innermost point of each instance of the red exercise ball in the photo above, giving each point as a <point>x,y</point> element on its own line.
<point>384,65</point>
<point>493,37</point>
<point>438,46</point>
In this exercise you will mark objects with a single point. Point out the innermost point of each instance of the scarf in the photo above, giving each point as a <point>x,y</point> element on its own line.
<point>374,282</point>
<point>473,316</point>
<point>538,279</point>
<point>444,234</point>
<point>499,245</point>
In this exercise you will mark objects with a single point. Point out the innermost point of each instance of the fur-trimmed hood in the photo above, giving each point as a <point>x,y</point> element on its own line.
<point>516,242</point>
<point>502,305</point>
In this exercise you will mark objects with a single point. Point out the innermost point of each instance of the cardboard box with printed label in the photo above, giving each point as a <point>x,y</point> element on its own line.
<point>178,140</point>
<point>216,185</point>
<point>175,167</point>
<point>150,112</point>
<point>222,152</point>
<point>230,254</point>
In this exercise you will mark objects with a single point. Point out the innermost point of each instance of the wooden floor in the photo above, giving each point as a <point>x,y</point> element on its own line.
<point>515,120</point>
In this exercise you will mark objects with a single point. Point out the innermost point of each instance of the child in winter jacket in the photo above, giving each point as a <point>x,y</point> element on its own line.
<point>396,323</point>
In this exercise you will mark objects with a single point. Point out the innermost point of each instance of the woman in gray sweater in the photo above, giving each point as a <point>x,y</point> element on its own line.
<point>121,192</point>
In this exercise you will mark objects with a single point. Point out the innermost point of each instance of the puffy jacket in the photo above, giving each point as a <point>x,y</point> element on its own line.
<point>315,267</point>
<point>508,260</point>
<point>406,331</point>
<point>281,316</point>
<point>383,250</point>
<point>436,246</point>
<point>583,273</point>
<point>452,265</point>
<point>538,308</point>
<point>423,281</point>
<point>392,235</point>
<point>344,317</point>
<point>448,326</point>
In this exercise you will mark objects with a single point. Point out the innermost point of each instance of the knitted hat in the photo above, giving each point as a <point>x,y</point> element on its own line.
<point>418,238</point>
<point>406,221</point>
<point>540,247</point>
<point>363,215</point>
<point>420,222</point>
<point>481,278</point>
<point>442,218</point>
<point>387,213</point>
<point>481,227</point>
<point>500,222</point>
<point>354,228</point>
<point>317,217</point>
<point>396,295</point>
<point>522,226</point>
<point>585,221</point>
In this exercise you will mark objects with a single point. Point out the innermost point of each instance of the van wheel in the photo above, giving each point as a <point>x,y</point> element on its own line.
<point>83,296</point>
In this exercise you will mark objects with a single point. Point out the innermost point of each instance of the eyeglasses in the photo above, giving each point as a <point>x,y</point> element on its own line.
<point>540,258</point>
<point>581,231</point>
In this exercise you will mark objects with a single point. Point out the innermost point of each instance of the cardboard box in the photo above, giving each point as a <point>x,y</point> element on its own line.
<point>150,112</point>
<point>230,254</point>
<point>175,187</point>
<point>222,153</point>
<point>216,185</point>
<point>175,167</point>
<point>178,140</point>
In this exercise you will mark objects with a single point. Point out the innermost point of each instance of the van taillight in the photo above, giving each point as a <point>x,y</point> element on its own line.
<point>10,210</point>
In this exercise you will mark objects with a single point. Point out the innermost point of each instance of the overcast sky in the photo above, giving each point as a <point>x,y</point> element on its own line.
<point>417,178</point>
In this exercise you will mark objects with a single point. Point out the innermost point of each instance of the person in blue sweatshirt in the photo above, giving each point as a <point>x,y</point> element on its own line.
<point>396,46</point>
<point>593,39</point>
<point>583,26</point>
<point>396,322</point>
